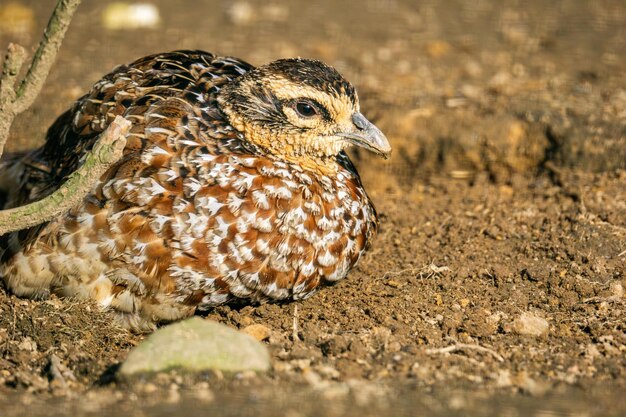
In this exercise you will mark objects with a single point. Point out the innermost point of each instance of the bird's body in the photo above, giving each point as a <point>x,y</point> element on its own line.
<point>228,190</point>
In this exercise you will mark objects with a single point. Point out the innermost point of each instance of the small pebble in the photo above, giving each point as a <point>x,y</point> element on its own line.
<point>258,331</point>
<point>530,324</point>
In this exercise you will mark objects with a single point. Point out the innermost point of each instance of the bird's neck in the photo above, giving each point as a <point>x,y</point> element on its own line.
<point>324,167</point>
<point>268,142</point>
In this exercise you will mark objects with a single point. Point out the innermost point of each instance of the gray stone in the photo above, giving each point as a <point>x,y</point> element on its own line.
<point>195,345</point>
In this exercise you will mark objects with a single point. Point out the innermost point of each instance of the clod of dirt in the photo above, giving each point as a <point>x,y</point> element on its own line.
<point>258,331</point>
<point>196,345</point>
<point>530,324</point>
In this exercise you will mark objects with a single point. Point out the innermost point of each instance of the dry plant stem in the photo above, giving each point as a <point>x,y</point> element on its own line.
<point>11,67</point>
<point>294,326</point>
<point>107,150</point>
<point>15,100</point>
<point>464,346</point>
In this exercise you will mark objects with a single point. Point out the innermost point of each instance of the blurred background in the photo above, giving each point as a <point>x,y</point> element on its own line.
<point>460,87</point>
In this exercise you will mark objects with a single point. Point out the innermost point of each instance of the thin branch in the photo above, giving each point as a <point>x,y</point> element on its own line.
<point>15,100</point>
<point>10,69</point>
<point>107,150</point>
<point>294,325</point>
<point>46,53</point>
<point>59,373</point>
<point>13,61</point>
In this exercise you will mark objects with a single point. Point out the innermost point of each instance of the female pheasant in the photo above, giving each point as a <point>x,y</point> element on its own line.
<point>234,186</point>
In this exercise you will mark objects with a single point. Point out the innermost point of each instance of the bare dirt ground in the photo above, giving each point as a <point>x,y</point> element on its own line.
<point>504,204</point>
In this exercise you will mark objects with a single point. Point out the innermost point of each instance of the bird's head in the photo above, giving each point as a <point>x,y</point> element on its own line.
<point>300,110</point>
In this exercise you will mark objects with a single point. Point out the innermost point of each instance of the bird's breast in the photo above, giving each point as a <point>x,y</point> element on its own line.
<point>269,229</point>
<point>208,227</point>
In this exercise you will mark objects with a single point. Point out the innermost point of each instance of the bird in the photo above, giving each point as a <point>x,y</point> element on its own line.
<point>234,187</point>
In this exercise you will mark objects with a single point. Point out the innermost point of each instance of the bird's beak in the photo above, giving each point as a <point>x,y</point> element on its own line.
<point>368,136</point>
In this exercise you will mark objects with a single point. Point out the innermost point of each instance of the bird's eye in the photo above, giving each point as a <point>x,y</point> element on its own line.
<point>305,109</point>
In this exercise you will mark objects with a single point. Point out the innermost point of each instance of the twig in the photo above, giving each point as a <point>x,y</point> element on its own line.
<point>610,299</point>
<point>400,272</point>
<point>59,373</point>
<point>464,346</point>
<point>107,150</point>
<point>11,335</point>
<point>294,327</point>
<point>429,270</point>
<point>13,61</point>
<point>14,101</point>
<point>45,54</point>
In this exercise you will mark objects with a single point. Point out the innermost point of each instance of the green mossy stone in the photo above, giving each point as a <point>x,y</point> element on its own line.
<point>196,345</point>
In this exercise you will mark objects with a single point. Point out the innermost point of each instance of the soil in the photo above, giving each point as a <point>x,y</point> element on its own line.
<point>497,280</point>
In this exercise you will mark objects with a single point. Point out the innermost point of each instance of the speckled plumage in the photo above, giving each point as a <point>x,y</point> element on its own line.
<point>225,192</point>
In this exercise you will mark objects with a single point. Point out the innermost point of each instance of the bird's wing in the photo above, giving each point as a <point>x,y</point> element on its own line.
<point>190,77</point>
